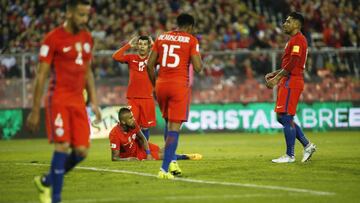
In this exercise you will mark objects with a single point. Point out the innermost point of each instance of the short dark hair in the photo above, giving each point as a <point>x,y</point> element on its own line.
<point>185,19</point>
<point>143,37</point>
<point>122,111</point>
<point>298,16</point>
<point>71,4</point>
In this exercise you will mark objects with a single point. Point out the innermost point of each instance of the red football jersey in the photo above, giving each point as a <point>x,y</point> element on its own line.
<point>126,142</point>
<point>297,46</point>
<point>69,55</point>
<point>139,82</point>
<point>175,49</point>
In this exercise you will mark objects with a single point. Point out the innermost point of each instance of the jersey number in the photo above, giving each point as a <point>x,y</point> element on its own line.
<point>169,52</point>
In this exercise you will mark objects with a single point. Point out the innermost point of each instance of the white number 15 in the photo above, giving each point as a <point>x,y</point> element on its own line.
<point>169,52</point>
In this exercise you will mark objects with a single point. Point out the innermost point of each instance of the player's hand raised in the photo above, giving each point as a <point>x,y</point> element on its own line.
<point>133,41</point>
<point>32,121</point>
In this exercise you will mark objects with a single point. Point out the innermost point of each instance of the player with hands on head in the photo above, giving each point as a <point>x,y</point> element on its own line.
<point>140,91</point>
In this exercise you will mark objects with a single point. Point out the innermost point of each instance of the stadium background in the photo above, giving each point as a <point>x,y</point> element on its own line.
<point>240,41</point>
<point>231,112</point>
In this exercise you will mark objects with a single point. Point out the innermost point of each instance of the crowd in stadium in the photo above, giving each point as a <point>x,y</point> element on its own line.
<point>221,25</point>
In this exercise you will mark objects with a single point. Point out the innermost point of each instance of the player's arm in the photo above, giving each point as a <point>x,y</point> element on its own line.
<point>197,62</point>
<point>90,88</point>
<point>151,66</point>
<point>119,55</point>
<point>286,69</point>
<point>145,144</point>
<point>272,74</point>
<point>115,156</point>
<point>32,122</point>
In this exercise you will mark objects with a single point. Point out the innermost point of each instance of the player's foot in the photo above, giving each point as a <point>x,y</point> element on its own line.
<point>165,175</point>
<point>174,169</point>
<point>284,159</point>
<point>194,156</point>
<point>44,191</point>
<point>308,151</point>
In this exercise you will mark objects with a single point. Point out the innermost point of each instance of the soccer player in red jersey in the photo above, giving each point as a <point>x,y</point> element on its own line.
<point>174,51</point>
<point>127,142</point>
<point>65,53</point>
<point>290,83</point>
<point>140,91</point>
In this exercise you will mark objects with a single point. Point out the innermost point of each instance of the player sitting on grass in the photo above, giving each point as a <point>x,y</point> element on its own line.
<point>127,142</point>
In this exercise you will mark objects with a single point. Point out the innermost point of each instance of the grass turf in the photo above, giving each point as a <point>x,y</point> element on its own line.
<point>231,158</point>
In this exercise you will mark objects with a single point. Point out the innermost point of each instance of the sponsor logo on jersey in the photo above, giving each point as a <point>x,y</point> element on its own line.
<point>66,49</point>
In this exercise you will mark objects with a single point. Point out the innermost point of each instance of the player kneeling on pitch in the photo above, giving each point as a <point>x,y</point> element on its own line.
<point>127,142</point>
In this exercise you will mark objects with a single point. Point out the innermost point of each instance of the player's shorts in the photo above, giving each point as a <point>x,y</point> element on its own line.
<point>174,101</point>
<point>287,100</point>
<point>154,150</point>
<point>68,124</point>
<point>143,111</point>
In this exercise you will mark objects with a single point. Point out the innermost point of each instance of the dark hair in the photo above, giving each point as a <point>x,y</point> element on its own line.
<point>71,4</point>
<point>185,19</point>
<point>143,37</point>
<point>122,111</point>
<point>297,16</point>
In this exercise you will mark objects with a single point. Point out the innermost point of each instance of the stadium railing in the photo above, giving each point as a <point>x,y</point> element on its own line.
<point>228,77</point>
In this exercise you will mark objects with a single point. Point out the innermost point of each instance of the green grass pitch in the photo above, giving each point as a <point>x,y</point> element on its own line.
<point>234,168</point>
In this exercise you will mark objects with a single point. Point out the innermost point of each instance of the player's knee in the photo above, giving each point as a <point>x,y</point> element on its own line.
<point>62,147</point>
<point>285,120</point>
<point>81,151</point>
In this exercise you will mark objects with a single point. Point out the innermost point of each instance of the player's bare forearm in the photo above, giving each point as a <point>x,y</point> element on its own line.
<point>90,88</point>
<point>197,63</point>
<point>33,119</point>
<point>115,156</point>
<point>39,85</point>
<point>271,83</point>
<point>120,53</point>
<point>151,66</point>
<point>143,141</point>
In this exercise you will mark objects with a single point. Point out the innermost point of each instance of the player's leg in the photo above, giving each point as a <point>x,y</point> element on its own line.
<point>289,132</point>
<point>309,148</point>
<point>177,113</point>
<point>147,115</point>
<point>58,129</point>
<point>286,120</point>
<point>135,109</point>
<point>194,156</point>
<point>162,94</point>
<point>171,144</point>
<point>80,139</point>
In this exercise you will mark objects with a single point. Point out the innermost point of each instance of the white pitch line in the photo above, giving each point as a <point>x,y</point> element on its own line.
<point>248,185</point>
<point>169,198</point>
<point>175,197</point>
